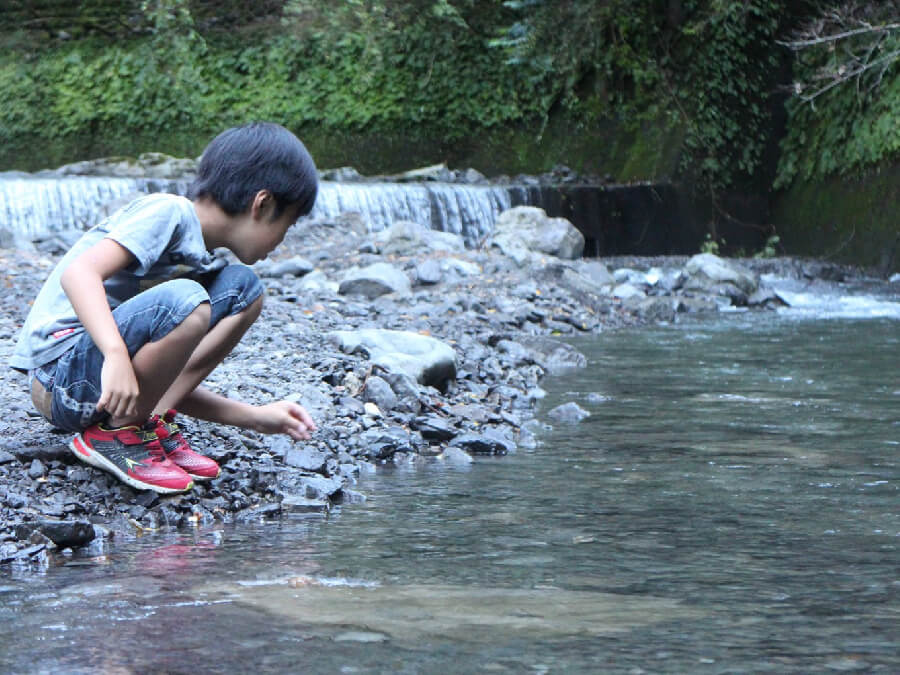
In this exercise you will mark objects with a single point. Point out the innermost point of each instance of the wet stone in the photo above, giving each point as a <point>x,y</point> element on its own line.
<point>306,458</point>
<point>65,533</point>
<point>301,504</point>
<point>434,428</point>
<point>483,444</point>
<point>568,413</point>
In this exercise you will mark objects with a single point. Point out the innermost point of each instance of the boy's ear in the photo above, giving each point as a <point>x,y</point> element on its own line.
<point>262,205</point>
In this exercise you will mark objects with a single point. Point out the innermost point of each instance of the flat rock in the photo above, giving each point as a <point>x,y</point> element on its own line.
<point>375,280</point>
<point>306,458</point>
<point>428,360</point>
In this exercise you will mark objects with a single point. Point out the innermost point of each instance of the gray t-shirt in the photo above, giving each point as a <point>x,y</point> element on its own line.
<point>164,235</point>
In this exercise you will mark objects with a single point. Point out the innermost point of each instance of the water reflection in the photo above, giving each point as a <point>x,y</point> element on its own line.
<point>729,506</point>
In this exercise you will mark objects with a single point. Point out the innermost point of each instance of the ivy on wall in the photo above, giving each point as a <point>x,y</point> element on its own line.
<point>707,72</point>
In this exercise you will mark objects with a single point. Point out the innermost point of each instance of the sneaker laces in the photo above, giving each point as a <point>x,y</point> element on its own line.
<point>149,434</point>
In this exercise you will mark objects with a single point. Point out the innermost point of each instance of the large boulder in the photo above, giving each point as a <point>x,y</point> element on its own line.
<point>528,228</point>
<point>146,165</point>
<point>374,280</point>
<point>711,274</point>
<point>405,237</point>
<point>428,360</point>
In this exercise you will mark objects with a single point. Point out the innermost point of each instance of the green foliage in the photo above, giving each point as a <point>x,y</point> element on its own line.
<point>843,117</point>
<point>686,83</point>
<point>406,74</point>
<point>710,245</point>
<point>705,66</point>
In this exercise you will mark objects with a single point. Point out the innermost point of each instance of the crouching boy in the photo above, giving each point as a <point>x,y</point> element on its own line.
<point>139,312</point>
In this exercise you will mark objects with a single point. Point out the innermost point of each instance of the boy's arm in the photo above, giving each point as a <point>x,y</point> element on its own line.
<point>281,417</point>
<point>83,283</point>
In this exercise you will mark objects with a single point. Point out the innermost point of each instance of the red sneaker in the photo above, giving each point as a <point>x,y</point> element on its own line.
<point>197,466</point>
<point>133,455</point>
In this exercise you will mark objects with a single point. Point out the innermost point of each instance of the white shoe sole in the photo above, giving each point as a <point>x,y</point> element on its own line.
<point>83,452</point>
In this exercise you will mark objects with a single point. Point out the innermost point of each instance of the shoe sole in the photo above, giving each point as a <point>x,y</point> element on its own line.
<point>83,452</point>
<point>202,478</point>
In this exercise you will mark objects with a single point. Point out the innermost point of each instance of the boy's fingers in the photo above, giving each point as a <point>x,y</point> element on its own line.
<point>305,418</point>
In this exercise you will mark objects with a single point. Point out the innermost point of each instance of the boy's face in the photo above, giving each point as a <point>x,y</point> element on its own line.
<point>260,232</point>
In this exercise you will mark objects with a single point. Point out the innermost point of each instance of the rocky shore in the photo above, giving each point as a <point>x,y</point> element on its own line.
<point>405,347</point>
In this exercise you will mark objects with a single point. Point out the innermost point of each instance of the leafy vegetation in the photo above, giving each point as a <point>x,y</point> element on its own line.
<point>709,76</point>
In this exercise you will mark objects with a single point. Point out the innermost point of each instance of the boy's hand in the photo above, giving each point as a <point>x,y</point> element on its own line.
<point>119,386</point>
<point>284,417</point>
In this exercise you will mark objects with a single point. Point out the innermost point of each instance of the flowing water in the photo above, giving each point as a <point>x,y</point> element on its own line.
<point>729,506</point>
<point>33,207</point>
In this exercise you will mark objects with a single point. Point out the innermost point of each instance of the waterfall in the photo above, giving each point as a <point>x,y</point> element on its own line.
<point>36,207</point>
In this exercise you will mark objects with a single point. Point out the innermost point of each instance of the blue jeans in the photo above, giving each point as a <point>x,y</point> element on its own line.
<point>73,379</point>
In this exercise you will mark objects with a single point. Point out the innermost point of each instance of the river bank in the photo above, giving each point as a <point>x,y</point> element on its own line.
<point>503,312</point>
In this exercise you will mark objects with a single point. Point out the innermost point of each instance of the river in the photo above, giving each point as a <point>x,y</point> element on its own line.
<point>730,505</point>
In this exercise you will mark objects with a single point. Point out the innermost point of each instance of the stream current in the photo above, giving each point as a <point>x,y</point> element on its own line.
<point>730,505</point>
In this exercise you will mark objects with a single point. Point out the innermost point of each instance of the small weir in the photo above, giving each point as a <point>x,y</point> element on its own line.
<point>615,219</point>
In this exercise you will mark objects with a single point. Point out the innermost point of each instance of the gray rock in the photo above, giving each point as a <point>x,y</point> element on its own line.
<point>316,282</point>
<point>296,267</point>
<point>486,443</point>
<point>460,268</point>
<point>379,392</point>
<point>428,360</point>
<point>656,308</point>
<point>37,469</point>
<point>63,533</point>
<point>406,388</point>
<point>552,355</point>
<point>456,456</point>
<point>568,413</point>
<point>6,457</point>
<point>627,291</point>
<point>708,272</point>
<point>302,504</point>
<point>383,443</point>
<point>306,457</point>
<point>374,280</point>
<point>16,500</point>
<point>429,272</point>
<point>528,229</point>
<point>765,295</point>
<point>43,452</point>
<point>408,238</point>
<point>434,428</point>
<point>596,272</point>
<point>341,173</point>
<point>435,172</point>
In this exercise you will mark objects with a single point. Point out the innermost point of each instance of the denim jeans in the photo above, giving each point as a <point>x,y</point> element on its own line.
<point>73,380</point>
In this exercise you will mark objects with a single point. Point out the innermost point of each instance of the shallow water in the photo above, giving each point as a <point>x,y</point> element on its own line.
<point>729,506</point>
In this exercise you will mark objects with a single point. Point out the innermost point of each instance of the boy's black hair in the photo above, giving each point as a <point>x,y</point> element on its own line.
<point>243,160</point>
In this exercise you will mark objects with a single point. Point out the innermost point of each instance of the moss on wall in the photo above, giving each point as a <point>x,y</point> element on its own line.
<point>846,220</point>
<point>599,148</point>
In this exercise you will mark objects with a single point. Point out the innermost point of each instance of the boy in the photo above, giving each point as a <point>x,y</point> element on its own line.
<point>138,313</point>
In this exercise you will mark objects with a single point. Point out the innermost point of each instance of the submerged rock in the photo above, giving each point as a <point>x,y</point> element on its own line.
<point>568,413</point>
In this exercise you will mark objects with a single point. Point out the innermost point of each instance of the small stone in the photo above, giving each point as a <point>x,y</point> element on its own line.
<point>379,392</point>
<point>457,457</point>
<point>37,469</point>
<point>570,413</point>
